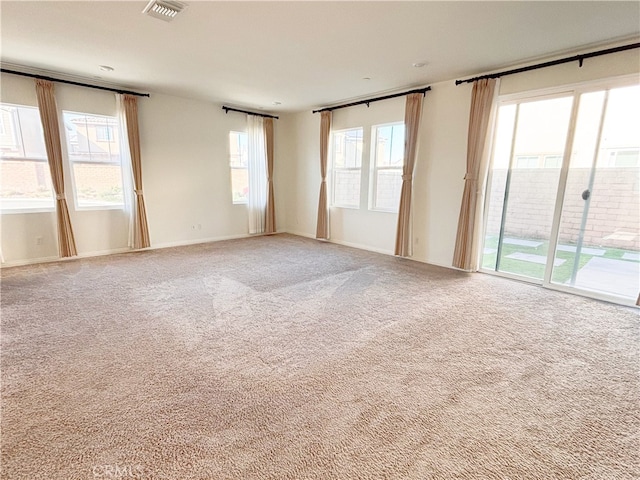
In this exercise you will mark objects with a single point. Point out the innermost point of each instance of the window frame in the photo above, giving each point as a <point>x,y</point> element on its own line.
<point>71,162</point>
<point>615,154</point>
<point>3,130</point>
<point>333,169</point>
<point>13,158</point>
<point>232,167</point>
<point>557,159</point>
<point>104,133</point>
<point>373,187</point>
<point>575,90</point>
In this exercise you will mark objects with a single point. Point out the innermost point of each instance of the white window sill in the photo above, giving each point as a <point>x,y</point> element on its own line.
<point>99,207</point>
<point>348,207</point>
<point>22,211</point>
<point>383,210</point>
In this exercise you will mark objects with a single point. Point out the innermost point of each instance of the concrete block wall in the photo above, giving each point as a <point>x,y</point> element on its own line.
<point>614,208</point>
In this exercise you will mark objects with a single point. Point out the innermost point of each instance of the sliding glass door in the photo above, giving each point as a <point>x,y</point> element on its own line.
<point>525,175</point>
<point>600,223</point>
<point>563,203</point>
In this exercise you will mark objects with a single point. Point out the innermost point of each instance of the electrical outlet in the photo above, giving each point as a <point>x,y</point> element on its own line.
<point>39,240</point>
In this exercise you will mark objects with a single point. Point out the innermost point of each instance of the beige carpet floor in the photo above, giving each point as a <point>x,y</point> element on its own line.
<point>286,358</point>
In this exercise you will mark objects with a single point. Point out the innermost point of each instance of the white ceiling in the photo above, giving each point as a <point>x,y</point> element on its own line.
<point>302,54</point>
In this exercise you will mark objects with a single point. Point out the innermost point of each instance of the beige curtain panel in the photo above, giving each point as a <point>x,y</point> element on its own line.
<point>322,230</point>
<point>270,220</point>
<point>466,254</point>
<point>50,126</point>
<point>412,116</point>
<point>140,226</point>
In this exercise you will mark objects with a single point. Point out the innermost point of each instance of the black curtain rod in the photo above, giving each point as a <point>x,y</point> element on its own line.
<point>423,91</point>
<point>230,109</point>
<point>576,58</point>
<point>71,82</point>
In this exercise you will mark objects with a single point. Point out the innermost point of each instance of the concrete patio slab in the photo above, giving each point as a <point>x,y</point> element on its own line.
<point>540,259</point>
<point>626,236</point>
<point>635,257</point>
<point>610,276</point>
<point>585,250</point>
<point>522,243</point>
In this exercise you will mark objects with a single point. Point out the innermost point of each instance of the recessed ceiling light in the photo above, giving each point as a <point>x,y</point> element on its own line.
<point>366,78</point>
<point>419,64</point>
<point>106,68</point>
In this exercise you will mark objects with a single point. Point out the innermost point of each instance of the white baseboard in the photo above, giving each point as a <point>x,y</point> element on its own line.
<point>362,247</point>
<point>101,253</point>
<point>179,243</point>
<point>359,246</point>
<point>31,261</point>
<point>34,261</point>
<point>300,234</point>
<point>374,249</point>
<point>159,246</point>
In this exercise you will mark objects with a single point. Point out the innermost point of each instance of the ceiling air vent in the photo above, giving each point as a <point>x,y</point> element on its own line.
<point>163,9</point>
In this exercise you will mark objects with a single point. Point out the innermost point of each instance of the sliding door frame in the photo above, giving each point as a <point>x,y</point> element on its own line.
<point>575,91</point>
<point>562,185</point>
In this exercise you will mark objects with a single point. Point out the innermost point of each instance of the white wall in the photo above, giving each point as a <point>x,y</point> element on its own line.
<point>18,233</point>
<point>299,155</point>
<point>28,237</point>
<point>437,179</point>
<point>186,178</point>
<point>617,64</point>
<point>186,170</point>
<point>358,227</point>
<point>440,167</point>
<point>186,175</point>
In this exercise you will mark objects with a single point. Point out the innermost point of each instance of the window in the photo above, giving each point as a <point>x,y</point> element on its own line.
<point>238,161</point>
<point>530,161</point>
<point>538,161</point>
<point>346,161</point>
<point>553,161</point>
<point>625,158</point>
<point>94,154</point>
<point>104,133</point>
<point>388,160</point>
<point>24,170</point>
